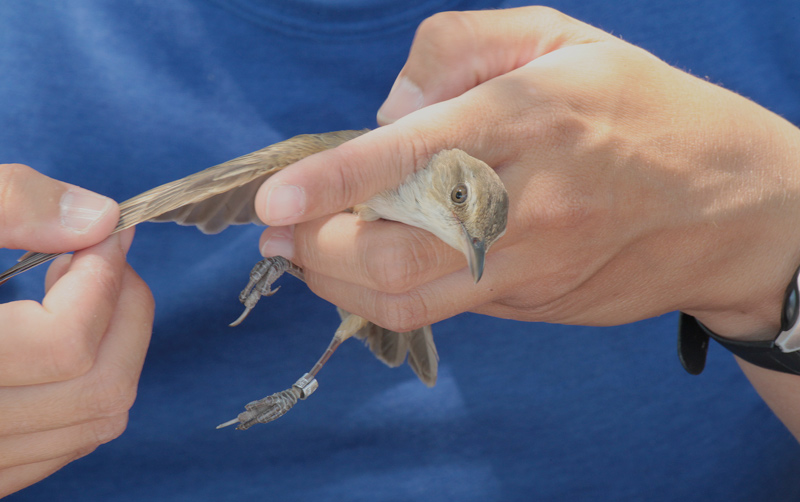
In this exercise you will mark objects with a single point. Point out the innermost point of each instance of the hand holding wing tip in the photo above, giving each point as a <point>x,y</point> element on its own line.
<point>196,199</point>
<point>273,406</point>
<point>213,198</point>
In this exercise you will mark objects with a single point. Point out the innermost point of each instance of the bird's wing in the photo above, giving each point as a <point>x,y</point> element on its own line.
<point>213,198</point>
<point>223,195</point>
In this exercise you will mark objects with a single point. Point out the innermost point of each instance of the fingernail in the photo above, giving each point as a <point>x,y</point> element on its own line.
<point>279,243</point>
<point>404,98</point>
<point>80,209</point>
<point>284,202</point>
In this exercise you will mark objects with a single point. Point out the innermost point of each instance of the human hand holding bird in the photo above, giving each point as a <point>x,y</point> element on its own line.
<point>456,197</point>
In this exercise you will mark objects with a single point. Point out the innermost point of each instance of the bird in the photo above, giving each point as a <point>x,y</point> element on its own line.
<point>458,198</point>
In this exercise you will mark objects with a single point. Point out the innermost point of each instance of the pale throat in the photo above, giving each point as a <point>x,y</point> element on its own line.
<point>416,203</point>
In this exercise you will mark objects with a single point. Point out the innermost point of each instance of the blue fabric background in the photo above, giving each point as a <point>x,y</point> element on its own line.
<point>122,96</point>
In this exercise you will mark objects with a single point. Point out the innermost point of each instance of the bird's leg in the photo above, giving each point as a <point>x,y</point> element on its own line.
<point>349,327</point>
<point>262,277</point>
<point>276,405</point>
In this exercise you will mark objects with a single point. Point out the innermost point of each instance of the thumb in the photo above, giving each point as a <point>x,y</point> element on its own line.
<point>45,215</point>
<point>453,52</point>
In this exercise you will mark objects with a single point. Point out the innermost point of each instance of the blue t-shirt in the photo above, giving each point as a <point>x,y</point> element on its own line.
<point>119,97</point>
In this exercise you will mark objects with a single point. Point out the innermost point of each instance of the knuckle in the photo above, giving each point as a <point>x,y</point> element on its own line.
<point>579,203</point>
<point>81,452</point>
<point>72,353</point>
<point>11,176</point>
<point>107,429</point>
<point>401,313</point>
<point>107,277</point>
<point>391,265</point>
<point>113,393</point>
<point>343,184</point>
<point>566,211</point>
<point>549,15</point>
<point>443,34</point>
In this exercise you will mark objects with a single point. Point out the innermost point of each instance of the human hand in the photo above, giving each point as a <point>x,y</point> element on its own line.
<point>69,366</point>
<point>635,189</point>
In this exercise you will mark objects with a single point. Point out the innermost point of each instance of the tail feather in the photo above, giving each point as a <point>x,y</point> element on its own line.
<point>422,355</point>
<point>388,346</point>
<point>391,348</point>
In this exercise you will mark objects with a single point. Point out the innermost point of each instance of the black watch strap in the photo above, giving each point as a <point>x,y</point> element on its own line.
<point>780,354</point>
<point>693,346</point>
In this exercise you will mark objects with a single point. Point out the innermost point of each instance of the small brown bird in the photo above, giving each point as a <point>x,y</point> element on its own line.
<point>456,197</point>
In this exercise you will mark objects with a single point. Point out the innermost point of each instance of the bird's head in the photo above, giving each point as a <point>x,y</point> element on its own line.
<point>457,197</point>
<point>474,200</point>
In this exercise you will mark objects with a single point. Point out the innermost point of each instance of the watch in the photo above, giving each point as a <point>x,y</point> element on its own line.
<point>780,354</point>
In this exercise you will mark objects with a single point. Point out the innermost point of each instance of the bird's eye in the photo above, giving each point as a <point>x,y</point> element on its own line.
<point>459,193</point>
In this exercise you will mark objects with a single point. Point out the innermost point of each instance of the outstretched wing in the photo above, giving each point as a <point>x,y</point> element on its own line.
<point>223,195</point>
<point>214,198</point>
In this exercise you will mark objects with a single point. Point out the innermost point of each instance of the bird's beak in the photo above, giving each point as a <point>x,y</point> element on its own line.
<point>475,251</point>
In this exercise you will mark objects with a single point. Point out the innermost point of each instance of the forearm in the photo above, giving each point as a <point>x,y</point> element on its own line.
<point>781,391</point>
<point>753,295</point>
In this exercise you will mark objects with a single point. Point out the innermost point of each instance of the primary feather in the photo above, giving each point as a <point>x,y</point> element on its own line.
<point>213,198</point>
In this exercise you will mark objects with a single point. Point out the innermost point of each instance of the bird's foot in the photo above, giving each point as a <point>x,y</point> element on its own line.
<point>274,406</point>
<point>262,277</point>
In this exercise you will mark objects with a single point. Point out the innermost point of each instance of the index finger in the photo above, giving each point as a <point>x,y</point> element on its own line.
<point>57,339</point>
<point>333,180</point>
<point>479,122</point>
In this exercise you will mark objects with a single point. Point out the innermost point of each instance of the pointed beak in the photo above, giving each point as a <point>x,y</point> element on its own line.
<point>475,251</point>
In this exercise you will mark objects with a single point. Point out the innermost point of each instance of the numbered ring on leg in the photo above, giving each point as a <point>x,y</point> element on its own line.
<point>306,385</point>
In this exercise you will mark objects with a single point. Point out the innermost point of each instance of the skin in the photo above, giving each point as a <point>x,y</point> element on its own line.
<point>635,189</point>
<point>69,366</point>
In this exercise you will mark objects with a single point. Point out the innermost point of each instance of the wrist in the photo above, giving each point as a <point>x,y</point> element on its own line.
<point>741,290</point>
<point>753,311</point>
<point>760,324</point>
<point>780,352</point>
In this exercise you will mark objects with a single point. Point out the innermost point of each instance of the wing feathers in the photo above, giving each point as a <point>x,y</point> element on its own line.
<point>214,198</point>
<point>205,196</point>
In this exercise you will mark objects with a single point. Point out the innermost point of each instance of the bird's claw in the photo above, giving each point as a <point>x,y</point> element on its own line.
<point>273,406</point>
<point>262,277</point>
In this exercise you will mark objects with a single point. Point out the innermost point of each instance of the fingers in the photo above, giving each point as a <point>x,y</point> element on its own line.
<point>426,304</point>
<point>394,258</point>
<point>16,478</point>
<point>397,276</point>
<point>333,180</point>
<point>453,52</point>
<point>43,427</point>
<point>336,179</point>
<point>40,213</point>
<point>56,270</point>
<point>381,255</point>
<point>69,368</point>
<point>107,390</point>
<point>43,446</point>
<point>74,316</point>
